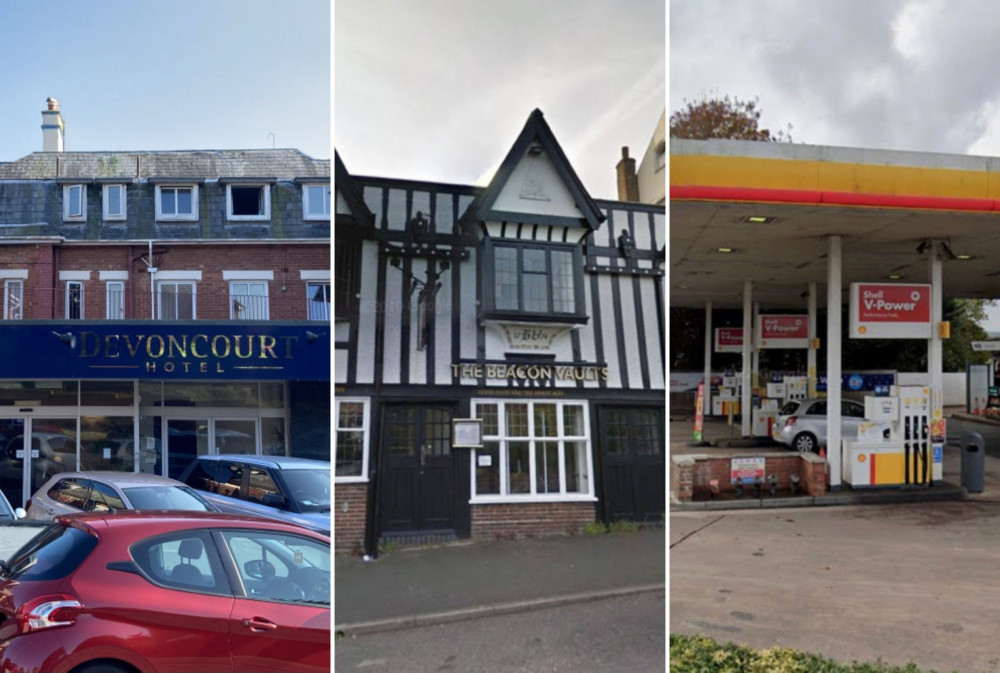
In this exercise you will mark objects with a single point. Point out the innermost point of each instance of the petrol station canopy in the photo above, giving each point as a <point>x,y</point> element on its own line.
<point>773,205</point>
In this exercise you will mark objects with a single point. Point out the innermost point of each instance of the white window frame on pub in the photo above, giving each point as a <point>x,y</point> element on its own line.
<point>176,215</point>
<point>314,194</point>
<point>497,444</point>
<point>114,202</point>
<point>75,212</point>
<point>353,429</point>
<point>263,194</point>
<point>516,287</point>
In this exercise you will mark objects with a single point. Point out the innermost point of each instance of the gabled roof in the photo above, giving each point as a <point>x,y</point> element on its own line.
<point>536,133</point>
<point>359,216</point>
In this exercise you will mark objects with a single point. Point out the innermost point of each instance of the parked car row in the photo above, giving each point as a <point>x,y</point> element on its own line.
<point>106,589</point>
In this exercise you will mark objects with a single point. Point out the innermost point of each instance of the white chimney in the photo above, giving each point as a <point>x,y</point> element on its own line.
<point>53,128</point>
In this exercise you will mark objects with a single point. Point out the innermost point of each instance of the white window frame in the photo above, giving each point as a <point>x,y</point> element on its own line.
<point>309,292</point>
<point>176,282</point>
<point>70,284</point>
<point>365,430</point>
<point>8,290</point>
<point>175,217</point>
<point>265,191</point>
<point>561,438</point>
<point>233,294</point>
<point>107,201</point>
<point>81,215</point>
<point>114,289</point>
<point>306,188</point>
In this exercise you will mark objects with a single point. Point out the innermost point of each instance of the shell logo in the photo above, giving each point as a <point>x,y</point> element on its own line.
<point>862,329</point>
<point>862,458</point>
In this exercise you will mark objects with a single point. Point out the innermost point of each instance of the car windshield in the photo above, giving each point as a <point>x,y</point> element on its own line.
<point>52,554</point>
<point>166,497</point>
<point>789,408</point>
<point>309,488</point>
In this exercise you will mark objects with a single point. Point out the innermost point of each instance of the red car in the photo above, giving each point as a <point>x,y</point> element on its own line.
<point>149,592</point>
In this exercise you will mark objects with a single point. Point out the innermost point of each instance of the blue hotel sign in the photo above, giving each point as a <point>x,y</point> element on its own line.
<point>153,350</point>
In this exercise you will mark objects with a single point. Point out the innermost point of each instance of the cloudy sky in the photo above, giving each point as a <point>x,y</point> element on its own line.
<point>181,75</point>
<point>439,89</point>
<point>895,74</point>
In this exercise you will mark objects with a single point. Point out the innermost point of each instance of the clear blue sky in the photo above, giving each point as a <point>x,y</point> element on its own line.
<point>178,75</point>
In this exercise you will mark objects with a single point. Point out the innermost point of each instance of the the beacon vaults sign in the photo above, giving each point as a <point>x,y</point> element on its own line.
<point>890,311</point>
<point>209,351</point>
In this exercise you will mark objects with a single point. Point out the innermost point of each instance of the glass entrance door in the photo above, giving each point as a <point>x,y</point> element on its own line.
<point>33,449</point>
<point>186,440</point>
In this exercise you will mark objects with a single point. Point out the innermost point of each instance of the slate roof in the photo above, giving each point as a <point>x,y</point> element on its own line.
<point>208,164</point>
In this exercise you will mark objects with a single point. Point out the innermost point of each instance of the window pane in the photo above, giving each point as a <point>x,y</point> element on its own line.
<point>576,467</point>
<point>505,278</point>
<point>185,302</point>
<point>545,420</point>
<point>106,443</point>
<point>518,476</point>
<point>350,453</point>
<point>319,199</point>
<point>75,209</point>
<point>184,202</point>
<point>488,413</point>
<point>536,293</point>
<point>12,301</point>
<point>115,292</point>
<point>488,469</point>
<point>114,196</point>
<point>647,427</point>
<point>573,421</point>
<point>517,420</point>
<point>547,467</point>
<point>534,261</point>
<point>563,297</point>
<point>319,301</point>
<point>616,440</point>
<point>351,416</point>
<point>168,201</point>
<point>74,301</point>
<point>437,434</point>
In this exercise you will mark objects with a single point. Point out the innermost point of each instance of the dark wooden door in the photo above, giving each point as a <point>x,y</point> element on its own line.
<point>418,488</point>
<point>632,462</point>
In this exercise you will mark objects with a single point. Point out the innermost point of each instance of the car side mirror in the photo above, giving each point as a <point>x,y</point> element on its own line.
<point>273,500</point>
<point>19,513</point>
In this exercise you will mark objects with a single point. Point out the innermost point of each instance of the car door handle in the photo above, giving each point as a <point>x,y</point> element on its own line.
<point>258,624</point>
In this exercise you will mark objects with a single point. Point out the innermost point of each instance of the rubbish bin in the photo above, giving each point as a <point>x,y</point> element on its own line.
<point>973,462</point>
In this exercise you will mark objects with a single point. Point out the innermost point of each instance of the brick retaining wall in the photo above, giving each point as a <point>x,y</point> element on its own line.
<point>523,520</point>
<point>690,475</point>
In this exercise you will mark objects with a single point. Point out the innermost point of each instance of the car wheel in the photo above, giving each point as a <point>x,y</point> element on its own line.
<point>804,443</point>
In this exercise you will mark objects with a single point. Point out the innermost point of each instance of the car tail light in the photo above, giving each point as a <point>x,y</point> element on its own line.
<point>46,612</point>
<point>27,505</point>
<point>791,421</point>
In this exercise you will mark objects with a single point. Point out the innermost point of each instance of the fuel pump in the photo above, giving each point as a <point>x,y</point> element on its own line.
<point>913,429</point>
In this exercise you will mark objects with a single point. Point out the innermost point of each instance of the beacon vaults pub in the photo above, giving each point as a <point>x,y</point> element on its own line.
<point>498,356</point>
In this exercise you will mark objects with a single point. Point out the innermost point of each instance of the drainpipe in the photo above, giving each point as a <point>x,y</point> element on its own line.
<point>152,284</point>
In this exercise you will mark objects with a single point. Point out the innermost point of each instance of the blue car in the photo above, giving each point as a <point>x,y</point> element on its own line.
<point>296,490</point>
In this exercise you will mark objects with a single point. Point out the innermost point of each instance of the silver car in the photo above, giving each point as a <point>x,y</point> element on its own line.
<point>801,424</point>
<point>75,492</point>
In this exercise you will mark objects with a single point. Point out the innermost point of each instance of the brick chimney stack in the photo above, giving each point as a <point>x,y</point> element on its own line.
<point>53,129</point>
<point>628,183</point>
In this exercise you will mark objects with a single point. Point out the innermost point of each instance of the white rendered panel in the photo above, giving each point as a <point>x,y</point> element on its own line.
<point>342,207</point>
<point>368,309</point>
<point>467,325</point>
<point>421,204</point>
<point>588,343</point>
<point>442,331</point>
<point>609,331</point>
<point>373,199</point>
<point>661,230</point>
<point>392,346</point>
<point>534,186</point>
<point>340,357</point>
<point>630,330</point>
<point>643,236</point>
<point>397,210</point>
<point>651,324</point>
<point>444,218</point>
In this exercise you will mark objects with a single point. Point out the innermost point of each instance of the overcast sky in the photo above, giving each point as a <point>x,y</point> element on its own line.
<point>920,75</point>
<point>895,74</point>
<point>178,75</point>
<point>439,89</point>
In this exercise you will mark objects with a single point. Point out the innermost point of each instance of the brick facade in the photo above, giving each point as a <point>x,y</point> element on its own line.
<point>349,507</point>
<point>691,476</point>
<point>524,520</point>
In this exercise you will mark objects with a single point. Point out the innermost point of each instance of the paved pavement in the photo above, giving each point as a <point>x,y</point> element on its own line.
<point>14,535</point>
<point>901,582</point>
<point>417,587</point>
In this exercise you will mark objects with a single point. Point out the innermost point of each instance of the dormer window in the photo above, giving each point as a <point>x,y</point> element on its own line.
<point>177,202</point>
<point>114,202</point>
<point>531,280</point>
<point>316,202</point>
<point>74,203</point>
<point>248,202</point>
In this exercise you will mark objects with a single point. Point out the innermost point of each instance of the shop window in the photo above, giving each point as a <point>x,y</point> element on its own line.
<point>74,203</point>
<point>350,439</point>
<point>13,292</point>
<point>114,202</point>
<point>316,202</point>
<point>318,301</point>
<point>74,300</point>
<point>532,450</point>
<point>176,300</point>
<point>248,300</point>
<point>248,202</point>
<point>531,280</point>
<point>177,202</point>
